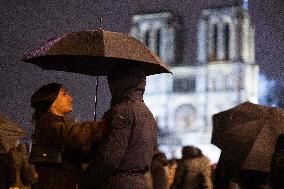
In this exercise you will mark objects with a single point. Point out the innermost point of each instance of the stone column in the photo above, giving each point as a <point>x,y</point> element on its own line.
<point>135,31</point>
<point>221,42</point>
<point>202,52</point>
<point>234,43</point>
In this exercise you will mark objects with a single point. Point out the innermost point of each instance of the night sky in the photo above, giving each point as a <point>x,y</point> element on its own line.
<point>268,19</point>
<point>27,23</point>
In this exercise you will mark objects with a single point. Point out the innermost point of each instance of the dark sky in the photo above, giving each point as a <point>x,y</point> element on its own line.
<point>32,23</point>
<point>27,23</point>
<point>268,18</point>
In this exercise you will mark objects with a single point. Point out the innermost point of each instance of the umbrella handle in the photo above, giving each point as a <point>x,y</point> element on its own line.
<point>96,98</point>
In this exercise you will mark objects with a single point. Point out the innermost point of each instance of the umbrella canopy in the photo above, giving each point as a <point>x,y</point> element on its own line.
<point>247,134</point>
<point>94,52</point>
<point>10,132</point>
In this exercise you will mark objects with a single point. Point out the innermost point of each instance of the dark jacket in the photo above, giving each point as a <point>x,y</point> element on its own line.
<point>194,173</point>
<point>225,173</point>
<point>158,171</point>
<point>6,176</point>
<point>126,153</point>
<point>71,137</point>
<point>23,172</point>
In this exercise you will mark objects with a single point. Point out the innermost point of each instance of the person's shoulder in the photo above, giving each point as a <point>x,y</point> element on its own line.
<point>130,108</point>
<point>203,160</point>
<point>125,105</point>
<point>47,120</point>
<point>121,109</point>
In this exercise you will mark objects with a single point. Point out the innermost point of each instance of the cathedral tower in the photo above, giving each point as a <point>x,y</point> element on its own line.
<point>224,75</point>
<point>226,49</point>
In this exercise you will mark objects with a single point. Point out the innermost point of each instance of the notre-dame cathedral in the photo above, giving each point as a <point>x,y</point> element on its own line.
<point>224,74</point>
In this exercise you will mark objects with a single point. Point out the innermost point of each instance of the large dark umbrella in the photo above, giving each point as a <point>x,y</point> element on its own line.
<point>247,135</point>
<point>10,132</point>
<point>95,52</point>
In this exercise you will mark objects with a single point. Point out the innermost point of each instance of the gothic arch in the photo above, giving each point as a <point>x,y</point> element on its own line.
<point>227,42</point>
<point>213,41</point>
<point>158,32</point>
<point>203,36</point>
<point>146,37</point>
<point>157,39</point>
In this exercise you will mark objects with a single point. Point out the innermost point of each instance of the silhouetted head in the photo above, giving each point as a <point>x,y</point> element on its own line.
<point>189,152</point>
<point>160,157</point>
<point>126,79</point>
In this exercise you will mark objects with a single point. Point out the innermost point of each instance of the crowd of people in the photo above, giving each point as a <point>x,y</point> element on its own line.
<point>118,152</point>
<point>192,171</point>
<point>195,171</point>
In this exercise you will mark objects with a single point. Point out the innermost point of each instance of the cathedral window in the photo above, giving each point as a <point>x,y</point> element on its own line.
<point>185,116</point>
<point>147,39</point>
<point>226,41</point>
<point>184,85</point>
<point>213,54</point>
<point>158,32</point>
<point>158,42</point>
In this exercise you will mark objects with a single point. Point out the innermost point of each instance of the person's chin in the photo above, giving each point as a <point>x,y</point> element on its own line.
<point>70,110</point>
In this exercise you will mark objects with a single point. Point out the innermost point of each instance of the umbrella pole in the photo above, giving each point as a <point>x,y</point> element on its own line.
<point>96,98</point>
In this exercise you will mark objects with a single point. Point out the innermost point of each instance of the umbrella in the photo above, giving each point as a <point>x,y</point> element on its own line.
<point>94,52</point>
<point>10,132</point>
<point>247,135</point>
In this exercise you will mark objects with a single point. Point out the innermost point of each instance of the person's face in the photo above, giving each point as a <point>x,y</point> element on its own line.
<point>63,103</point>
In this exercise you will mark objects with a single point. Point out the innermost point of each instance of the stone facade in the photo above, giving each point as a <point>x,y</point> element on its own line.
<point>225,73</point>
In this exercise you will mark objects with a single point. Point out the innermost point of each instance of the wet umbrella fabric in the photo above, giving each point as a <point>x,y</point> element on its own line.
<point>10,132</point>
<point>95,52</point>
<point>247,135</point>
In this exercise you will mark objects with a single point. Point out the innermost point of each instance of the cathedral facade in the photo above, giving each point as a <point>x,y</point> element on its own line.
<point>223,76</point>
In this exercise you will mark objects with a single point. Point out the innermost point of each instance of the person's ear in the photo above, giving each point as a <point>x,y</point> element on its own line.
<point>52,105</point>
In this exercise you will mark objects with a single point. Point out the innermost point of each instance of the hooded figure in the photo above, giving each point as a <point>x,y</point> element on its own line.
<point>125,154</point>
<point>193,171</point>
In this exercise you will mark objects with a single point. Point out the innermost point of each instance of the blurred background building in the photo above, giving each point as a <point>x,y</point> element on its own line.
<point>224,75</point>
